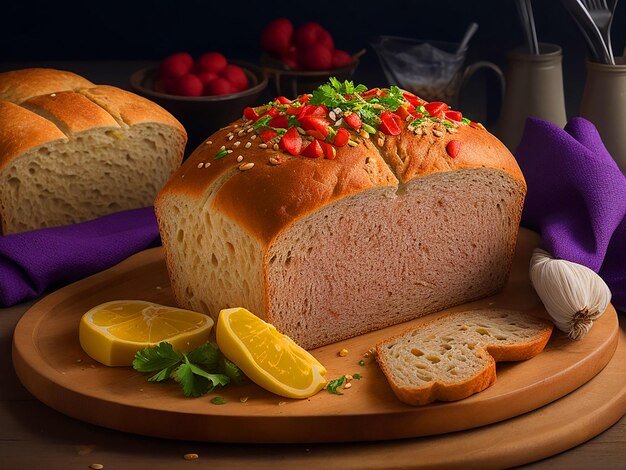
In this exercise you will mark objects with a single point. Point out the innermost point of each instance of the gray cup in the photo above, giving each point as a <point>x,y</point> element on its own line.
<point>604,104</point>
<point>534,88</point>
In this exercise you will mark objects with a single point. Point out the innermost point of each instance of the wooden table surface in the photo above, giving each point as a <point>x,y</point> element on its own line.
<point>35,436</point>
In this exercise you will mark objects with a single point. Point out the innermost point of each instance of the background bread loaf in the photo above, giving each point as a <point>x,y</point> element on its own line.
<point>389,230</point>
<point>455,356</point>
<point>72,151</point>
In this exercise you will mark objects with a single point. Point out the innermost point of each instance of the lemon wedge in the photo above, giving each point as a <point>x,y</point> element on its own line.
<point>111,333</point>
<point>269,358</point>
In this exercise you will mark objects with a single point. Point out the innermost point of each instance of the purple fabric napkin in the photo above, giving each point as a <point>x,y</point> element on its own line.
<point>32,262</point>
<point>576,198</point>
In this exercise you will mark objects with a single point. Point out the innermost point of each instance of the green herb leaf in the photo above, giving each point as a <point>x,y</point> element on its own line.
<point>220,154</point>
<point>262,122</point>
<point>334,384</point>
<point>357,376</point>
<point>214,379</point>
<point>193,385</point>
<point>163,374</point>
<point>230,370</point>
<point>156,358</point>
<point>207,356</point>
<point>218,400</point>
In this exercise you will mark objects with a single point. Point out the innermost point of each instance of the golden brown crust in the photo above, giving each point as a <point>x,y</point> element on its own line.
<point>17,86</point>
<point>70,111</point>
<point>21,130</point>
<point>267,198</point>
<point>55,103</point>
<point>129,108</point>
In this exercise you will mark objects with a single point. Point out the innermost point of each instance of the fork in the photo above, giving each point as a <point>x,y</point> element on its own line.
<point>602,16</point>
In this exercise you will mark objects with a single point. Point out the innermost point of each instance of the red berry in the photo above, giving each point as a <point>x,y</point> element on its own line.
<point>211,62</point>
<point>187,85</point>
<point>313,33</point>
<point>453,148</point>
<point>206,76</point>
<point>176,65</point>
<point>236,76</point>
<point>313,150</point>
<point>277,36</point>
<point>219,86</point>
<point>316,57</point>
<point>342,137</point>
<point>341,59</point>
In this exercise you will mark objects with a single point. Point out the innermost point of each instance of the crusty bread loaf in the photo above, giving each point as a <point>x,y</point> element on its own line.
<point>391,229</point>
<point>453,357</point>
<point>72,151</point>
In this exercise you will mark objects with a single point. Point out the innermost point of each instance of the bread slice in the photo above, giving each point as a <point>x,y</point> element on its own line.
<point>79,152</point>
<point>453,357</point>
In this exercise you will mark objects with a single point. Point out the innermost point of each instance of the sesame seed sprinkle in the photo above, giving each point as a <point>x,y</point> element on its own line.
<point>275,147</point>
<point>237,144</point>
<point>239,158</point>
<point>223,147</point>
<point>253,136</point>
<point>229,150</point>
<point>263,145</point>
<point>200,165</point>
<point>207,164</point>
<point>241,132</point>
<point>248,145</point>
<point>246,166</point>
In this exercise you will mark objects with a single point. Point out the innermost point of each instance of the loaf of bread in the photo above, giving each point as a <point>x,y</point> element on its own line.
<point>71,151</point>
<point>455,356</point>
<point>377,231</point>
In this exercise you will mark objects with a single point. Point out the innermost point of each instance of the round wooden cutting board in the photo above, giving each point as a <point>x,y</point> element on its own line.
<point>51,364</point>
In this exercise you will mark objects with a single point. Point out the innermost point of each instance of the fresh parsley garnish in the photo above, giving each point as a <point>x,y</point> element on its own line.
<point>334,384</point>
<point>199,372</point>
<point>218,400</point>
<point>347,97</point>
<point>357,376</point>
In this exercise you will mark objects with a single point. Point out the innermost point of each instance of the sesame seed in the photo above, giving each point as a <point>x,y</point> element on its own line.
<point>275,147</point>
<point>207,164</point>
<point>229,150</point>
<point>253,136</point>
<point>239,158</point>
<point>250,129</point>
<point>223,147</point>
<point>241,132</point>
<point>96,466</point>
<point>235,125</point>
<point>190,456</point>
<point>364,134</point>
<point>243,399</point>
<point>343,352</point>
<point>263,146</point>
<point>418,131</point>
<point>248,145</point>
<point>275,160</point>
<point>237,144</point>
<point>452,130</point>
<point>200,165</point>
<point>301,131</point>
<point>338,122</point>
<point>349,377</point>
<point>231,137</point>
<point>381,141</point>
<point>348,385</point>
<point>352,143</point>
<point>332,115</point>
<point>53,95</point>
<point>281,403</point>
<point>437,132</point>
<point>246,166</point>
<point>207,142</point>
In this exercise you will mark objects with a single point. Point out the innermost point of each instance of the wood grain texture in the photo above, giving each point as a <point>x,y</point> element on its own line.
<point>52,366</point>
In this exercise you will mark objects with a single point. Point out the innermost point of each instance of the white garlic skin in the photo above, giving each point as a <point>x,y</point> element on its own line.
<point>573,294</point>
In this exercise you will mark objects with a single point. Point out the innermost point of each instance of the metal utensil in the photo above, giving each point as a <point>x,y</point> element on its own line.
<point>602,16</point>
<point>471,30</point>
<point>590,31</point>
<point>525,11</point>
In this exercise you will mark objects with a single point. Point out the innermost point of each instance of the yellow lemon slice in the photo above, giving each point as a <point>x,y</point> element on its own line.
<point>111,333</point>
<point>269,358</point>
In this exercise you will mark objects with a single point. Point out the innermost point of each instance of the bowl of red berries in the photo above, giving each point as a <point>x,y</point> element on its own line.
<point>204,93</point>
<point>298,60</point>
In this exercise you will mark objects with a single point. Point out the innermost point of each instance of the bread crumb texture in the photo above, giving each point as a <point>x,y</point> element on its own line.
<point>455,356</point>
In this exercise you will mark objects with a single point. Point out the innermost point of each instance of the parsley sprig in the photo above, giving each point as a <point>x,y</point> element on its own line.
<point>347,97</point>
<point>199,372</point>
<point>333,385</point>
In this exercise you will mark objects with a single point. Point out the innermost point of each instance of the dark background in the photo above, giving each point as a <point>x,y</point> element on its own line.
<point>33,32</point>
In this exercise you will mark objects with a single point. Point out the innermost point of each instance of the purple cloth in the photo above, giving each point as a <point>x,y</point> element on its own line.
<point>576,198</point>
<point>33,262</point>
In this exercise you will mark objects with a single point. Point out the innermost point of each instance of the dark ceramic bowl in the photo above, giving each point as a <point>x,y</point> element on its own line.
<point>291,83</point>
<point>202,115</point>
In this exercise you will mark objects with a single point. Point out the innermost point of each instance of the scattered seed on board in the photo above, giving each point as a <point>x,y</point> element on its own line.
<point>343,352</point>
<point>243,399</point>
<point>239,158</point>
<point>348,385</point>
<point>246,166</point>
<point>281,403</point>
<point>349,377</point>
<point>96,466</point>
<point>190,456</point>
<point>248,145</point>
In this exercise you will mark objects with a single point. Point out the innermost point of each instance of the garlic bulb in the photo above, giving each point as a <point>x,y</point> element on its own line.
<point>573,294</point>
